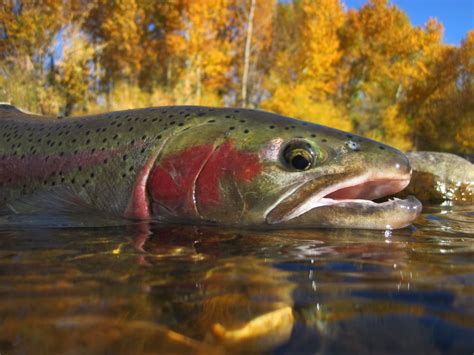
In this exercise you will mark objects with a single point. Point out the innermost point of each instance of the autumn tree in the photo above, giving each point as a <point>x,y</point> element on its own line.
<point>115,27</point>
<point>384,56</point>
<point>253,40</point>
<point>368,70</point>
<point>307,79</point>
<point>27,34</point>
<point>443,104</point>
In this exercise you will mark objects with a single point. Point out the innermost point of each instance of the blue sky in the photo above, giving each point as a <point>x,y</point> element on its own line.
<point>457,16</point>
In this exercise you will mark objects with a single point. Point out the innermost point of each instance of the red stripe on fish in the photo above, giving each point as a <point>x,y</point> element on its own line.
<point>138,204</point>
<point>226,160</point>
<point>172,182</point>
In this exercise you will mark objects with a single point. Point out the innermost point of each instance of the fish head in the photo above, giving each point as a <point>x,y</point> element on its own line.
<point>262,169</point>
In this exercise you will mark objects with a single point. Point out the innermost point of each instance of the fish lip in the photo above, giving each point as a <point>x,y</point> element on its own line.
<point>390,184</point>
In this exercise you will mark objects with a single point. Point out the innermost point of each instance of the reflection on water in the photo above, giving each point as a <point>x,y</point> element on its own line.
<point>148,289</point>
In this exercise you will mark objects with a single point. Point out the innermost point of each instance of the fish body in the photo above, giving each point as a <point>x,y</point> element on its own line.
<point>190,164</point>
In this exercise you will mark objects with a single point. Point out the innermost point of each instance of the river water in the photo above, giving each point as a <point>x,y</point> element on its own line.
<point>183,289</point>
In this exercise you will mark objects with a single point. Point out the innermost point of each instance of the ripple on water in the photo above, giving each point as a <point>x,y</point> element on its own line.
<point>210,290</point>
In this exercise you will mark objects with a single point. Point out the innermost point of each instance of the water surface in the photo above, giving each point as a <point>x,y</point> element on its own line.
<point>184,289</point>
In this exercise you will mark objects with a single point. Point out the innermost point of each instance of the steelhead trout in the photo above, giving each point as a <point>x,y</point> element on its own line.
<point>197,165</point>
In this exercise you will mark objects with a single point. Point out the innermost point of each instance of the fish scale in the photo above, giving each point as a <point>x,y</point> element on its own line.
<point>172,164</point>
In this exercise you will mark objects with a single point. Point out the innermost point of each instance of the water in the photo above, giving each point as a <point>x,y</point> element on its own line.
<point>148,289</point>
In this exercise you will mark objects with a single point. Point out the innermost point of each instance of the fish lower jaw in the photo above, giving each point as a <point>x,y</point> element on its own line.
<point>361,189</point>
<point>349,205</point>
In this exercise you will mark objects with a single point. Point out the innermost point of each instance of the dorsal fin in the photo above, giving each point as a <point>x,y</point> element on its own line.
<point>8,107</point>
<point>7,110</point>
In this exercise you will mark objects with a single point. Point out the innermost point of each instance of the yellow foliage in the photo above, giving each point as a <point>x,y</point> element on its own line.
<point>368,70</point>
<point>298,104</point>
<point>396,128</point>
<point>114,23</point>
<point>73,72</point>
<point>319,54</point>
<point>123,96</point>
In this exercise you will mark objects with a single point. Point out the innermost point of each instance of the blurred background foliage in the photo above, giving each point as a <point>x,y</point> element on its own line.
<point>368,70</point>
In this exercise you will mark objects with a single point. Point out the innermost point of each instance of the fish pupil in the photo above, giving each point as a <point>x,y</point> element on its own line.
<point>300,162</point>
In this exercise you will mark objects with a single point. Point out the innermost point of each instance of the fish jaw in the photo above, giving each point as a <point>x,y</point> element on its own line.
<point>347,203</point>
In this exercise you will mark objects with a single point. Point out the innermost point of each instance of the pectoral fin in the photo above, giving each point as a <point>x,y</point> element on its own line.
<point>55,207</point>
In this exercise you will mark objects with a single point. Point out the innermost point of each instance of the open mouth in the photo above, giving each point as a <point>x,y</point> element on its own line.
<point>348,203</point>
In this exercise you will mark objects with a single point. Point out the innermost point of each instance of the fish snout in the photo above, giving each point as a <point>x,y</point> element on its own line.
<point>397,163</point>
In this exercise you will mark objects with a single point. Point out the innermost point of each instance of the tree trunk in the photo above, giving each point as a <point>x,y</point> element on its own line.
<point>248,47</point>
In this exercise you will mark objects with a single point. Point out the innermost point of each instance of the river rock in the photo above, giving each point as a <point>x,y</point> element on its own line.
<point>440,177</point>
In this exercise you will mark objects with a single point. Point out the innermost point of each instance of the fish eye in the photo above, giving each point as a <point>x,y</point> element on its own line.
<point>299,155</point>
